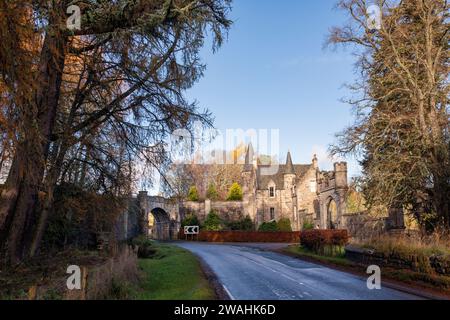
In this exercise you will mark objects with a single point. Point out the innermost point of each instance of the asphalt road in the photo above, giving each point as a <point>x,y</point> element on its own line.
<point>249,273</point>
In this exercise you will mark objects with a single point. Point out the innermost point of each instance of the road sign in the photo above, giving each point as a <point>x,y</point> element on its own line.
<point>191,230</point>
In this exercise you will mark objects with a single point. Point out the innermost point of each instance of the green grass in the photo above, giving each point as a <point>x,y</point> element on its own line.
<point>172,274</point>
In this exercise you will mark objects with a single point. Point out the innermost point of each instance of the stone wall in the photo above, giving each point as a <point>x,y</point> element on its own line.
<point>127,225</point>
<point>362,226</point>
<point>415,262</point>
<point>227,210</point>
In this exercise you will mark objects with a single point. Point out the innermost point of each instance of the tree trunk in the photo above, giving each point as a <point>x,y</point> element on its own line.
<point>47,206</point>
<point>20,197</point>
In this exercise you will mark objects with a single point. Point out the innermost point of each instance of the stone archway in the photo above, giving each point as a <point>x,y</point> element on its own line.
<point>332,214</point>
<point>159,224</point>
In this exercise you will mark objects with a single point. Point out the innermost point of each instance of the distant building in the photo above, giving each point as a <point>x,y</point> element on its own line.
<point>300,192</point>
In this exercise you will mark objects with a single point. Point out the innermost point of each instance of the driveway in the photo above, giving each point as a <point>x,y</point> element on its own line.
<point>249,273</point>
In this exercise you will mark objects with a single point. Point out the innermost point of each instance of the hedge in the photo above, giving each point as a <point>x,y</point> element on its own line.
<point>317,240</point>
<point>244,236</point>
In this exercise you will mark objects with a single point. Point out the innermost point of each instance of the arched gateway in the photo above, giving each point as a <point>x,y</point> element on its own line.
<point>160,217</point>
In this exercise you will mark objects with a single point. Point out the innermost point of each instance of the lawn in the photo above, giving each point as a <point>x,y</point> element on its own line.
<point>172,274</point>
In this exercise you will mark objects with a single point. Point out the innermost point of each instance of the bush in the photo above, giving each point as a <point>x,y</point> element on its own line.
<point>145,247</point>
<point>308,225</point>
<point>190,220</point>
<point>244,224</point>
<point>213,222</point>
<point>212,193</point>
<point>318,240</point>
<point>193,194</point>
<point>235,193</point>
<point>79,216</point>
<point>284,225</point>
<point>268,227</point>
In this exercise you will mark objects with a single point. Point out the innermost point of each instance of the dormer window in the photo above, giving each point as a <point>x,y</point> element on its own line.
<point>272,192</point>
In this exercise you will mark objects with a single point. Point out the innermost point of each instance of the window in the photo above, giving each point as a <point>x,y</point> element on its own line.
<point>272,192</point>
<point>272,213</point>
<point>312,186</point>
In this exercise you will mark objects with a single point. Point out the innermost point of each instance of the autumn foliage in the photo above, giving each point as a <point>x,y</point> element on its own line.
<point>317,240</point>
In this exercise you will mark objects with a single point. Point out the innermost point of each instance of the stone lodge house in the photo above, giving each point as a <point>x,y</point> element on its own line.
<point>300,192</point>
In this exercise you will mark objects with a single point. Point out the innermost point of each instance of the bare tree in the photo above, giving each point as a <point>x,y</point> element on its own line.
<point>401,103</point>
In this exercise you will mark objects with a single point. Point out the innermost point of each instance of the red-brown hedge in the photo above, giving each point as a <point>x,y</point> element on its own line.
<point>244,236</point>
<point>316,240</point>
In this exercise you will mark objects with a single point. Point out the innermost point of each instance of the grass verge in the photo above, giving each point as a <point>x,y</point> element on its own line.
<point>172,274</point>
<point>339,260</point>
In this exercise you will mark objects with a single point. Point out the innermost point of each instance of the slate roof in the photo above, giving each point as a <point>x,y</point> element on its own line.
<point>264,180</point>
<point>289,168</point>
<point>248,166</point>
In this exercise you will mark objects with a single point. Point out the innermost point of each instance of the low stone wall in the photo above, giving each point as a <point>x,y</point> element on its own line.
<point>362,226</point>
<point>227,210</point>
<point>433,264</point>
<point>244,236</point>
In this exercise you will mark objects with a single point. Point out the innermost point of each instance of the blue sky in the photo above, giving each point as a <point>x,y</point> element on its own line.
<point>273,72</point>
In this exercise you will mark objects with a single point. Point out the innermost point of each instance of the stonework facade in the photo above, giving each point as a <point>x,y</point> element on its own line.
<point>300,192</point>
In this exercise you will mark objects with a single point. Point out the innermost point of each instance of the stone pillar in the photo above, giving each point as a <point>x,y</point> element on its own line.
<point>207,206</point>
<point>396,220</point>
<point>143,212</point>
<point>342,207</point>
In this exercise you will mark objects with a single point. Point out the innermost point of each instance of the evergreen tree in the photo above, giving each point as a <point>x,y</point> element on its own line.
<point>235,193</point>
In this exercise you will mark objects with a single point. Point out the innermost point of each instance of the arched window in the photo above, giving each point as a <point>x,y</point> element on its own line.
<point>332,215</point>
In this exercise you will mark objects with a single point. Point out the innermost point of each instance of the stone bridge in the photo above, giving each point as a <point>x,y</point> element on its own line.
<point>160,217</point>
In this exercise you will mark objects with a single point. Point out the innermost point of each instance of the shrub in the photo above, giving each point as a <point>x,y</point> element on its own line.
<point>268,227</point>
<point>244,224</point>
<point>79,216</point>
<point>142,241</point>
<point>213,222</point>
<point>235,193</point>
<point>308,225</point>
<point>247,224</point>
<point>318,240</point>
<point>284,225</point>
<point>193,194</point>
<point>190,220</point>
<point>212,193</point>
<point>145,247</point>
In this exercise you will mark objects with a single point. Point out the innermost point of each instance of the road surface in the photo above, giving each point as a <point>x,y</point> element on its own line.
<point>249,273</point>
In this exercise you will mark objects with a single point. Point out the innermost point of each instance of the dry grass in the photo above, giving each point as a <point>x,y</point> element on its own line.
<point>436,244</point>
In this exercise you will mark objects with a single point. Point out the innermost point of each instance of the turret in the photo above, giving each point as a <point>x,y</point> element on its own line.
<point>248,170</point>
<point>248,166</point>
<point>340,170</point>
<point>315,162</point>
<point>289,173</point>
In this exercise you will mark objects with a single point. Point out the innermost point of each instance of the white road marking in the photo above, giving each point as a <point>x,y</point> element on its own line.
<point>228,292</point>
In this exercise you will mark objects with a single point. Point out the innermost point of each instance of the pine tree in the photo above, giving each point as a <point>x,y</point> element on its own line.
<point>212,193</point>
<point>235,193</point>
<point>193,194</point>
